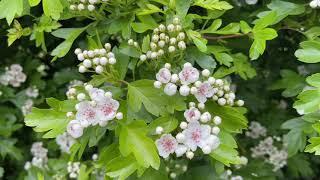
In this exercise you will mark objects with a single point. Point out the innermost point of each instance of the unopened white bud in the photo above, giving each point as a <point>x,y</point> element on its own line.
<point>162,28</point>
<point>87,63</point>
<point>95,157</point>
<point>80,56</point>
<point>176,21</point>
<point>173,175</point>
<point>159,130</point>
<point>180,137</point>
<point>77,51</point>
<point>112,60</point>
<point>130,42</point>
<point>160,52</point>
<point>88,87</point>
<point>222,101</point>
<point>313,4</point>
<point>69,114</point>
<point>143,57</point>
<point>171,49</point>
<point>157,84</point>
<point>205,73</point>
<point>119,115</point>
<point>91,53</point>
<point>215,98</point>
<point>108,94</point>
<point>99,69</point>
<point>201,106</point>
<point>161,43</point>
<point>193,90</point>
<point>183,125</point>
<point>95,61</point>
<point>190,154</point>
<point>206,149</point>
<point>181,36</point>
<point>167,65</point>
<point>91,7</point>
<point>170,89</point>
<point>173,41</point>
<point>81,7</point>
<point>174,78</point>
<point>155,38</point>
<point>215,130</point>
<point>240,103</point>
<point>184,90</point>
<point>211,80</point>
<point>198,83</point>
<point>103,61</point>
<point>81,96</point>
<point>192,104</point>
<point>170,27</point>
<point>219,82</point>
<point>205,117</point>
<point>187,65</point>
<point>73,7</point>
<point>154,55</point>
<point>182,45</point>
<point>178,28</point>
<point>153,46</point>
<point>217,120</point>
<point>82,69</point>
<point>107,46</point>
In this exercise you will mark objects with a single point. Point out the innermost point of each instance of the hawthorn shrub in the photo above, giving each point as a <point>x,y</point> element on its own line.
<point>159,89</point>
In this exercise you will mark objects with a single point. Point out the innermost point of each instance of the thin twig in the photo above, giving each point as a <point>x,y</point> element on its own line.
<point>223,37</point>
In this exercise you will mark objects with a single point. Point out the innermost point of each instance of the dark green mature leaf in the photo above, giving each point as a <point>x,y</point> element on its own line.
<point>182,7</point>
<point>10,8</point>
<point>122,63</point>
<point>133,140</point>
<point>233,120</point>
<point>303,169</point>
<point>205,61</point>
<point>154,100</point>
<point>7,148</point>
<point>52,121</point>
<point>292,82</point>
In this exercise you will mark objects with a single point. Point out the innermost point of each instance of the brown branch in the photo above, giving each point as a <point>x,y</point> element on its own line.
<point>223,37</point>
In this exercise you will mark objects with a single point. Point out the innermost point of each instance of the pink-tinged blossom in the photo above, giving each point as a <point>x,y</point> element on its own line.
<point>97,94</point>
<point>166,145</point>
<point>205,90</point>
<point>75,129</point>
<point>196,135</point>
<point>107,109</point>
<point>88,113</point>
<point>189,75</point>
<point>164,75</point>
<point>192,114</point>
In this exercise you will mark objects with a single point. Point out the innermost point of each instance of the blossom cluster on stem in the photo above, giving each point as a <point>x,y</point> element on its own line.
<point>82,5</point>
<point>13,76</point>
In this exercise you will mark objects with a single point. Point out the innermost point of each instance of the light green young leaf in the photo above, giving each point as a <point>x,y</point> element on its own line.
<point>213,4</point>
<point>216,24</point>
<point>52,121</point>
<point>245,28</point>
<point>232,28</point>
<point>314,80</point>
<point>310,52</point>
<point>313,33</point>
<point>121,167</point>
<point>145,44</point>
<point>314,146</point>
<point>198,40</point>
<point>52,8</point>
<point>17,32</point>
<point>10,9</point>
<point>257,48</point>
<point>308,101</point>
<point>70,35</point>
<point>182,7</point>
<point>265,21</point>
<point>133,139</point>
<point>34,2</point>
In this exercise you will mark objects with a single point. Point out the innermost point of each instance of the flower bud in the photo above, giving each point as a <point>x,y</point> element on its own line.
<point>184,90</point>
<point>170,89</point>
<point>81,96</point>
<point>183,125</point>
<point>157,84</point>
<point>222,101</point>
<point>215,130</point>
<point>82,69</point>
<point>174,78</point>
<point>171,49</point>
<point>99,69</point>
<point>119,115</point>
<point>205,73</point>
<point>217,120</point>
<point>87,63</point>
<point>103,61</point>
<point>159,130</point>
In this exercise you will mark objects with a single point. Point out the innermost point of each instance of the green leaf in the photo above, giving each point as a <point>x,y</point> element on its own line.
<point>310,52</point>
<point>129,50</point>
<point>121,167</point>
<point>314,80</point>
<point>52,121</point>
<point>283,9</point>
<point>308,101</point>
<point>292,82</point>
<point>265,21</point>
<point>182,7</point>
<point>205,61</point>
<point>145,44</point>
<point>265,34</point>
<point>257,48</point>
<point>233,120</point>
<point>52,8</point>
<point>168,124</point>
<point>213,4</point>
<point>231,28</point>
<point>313,33</point>
<point>122,63</point>
<point>197,39</point>
<point>314,146</point>
<point>70,35</point>
<point>7,148</point>
<point>34,2</point>
<point>133,139</point>
<point>213,27</point>
<point>10,8</point>
<point>17,32</point>
<point>154,100</point>
<point>245,28</point>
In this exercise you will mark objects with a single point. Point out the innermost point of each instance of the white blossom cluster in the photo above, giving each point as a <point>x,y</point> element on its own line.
<point>273,155</point>
<point>95,107</point>
<point>73,169</point>
<point>96,59</point>
<point>13,76</point>
<point>32,92</point>
<point>27,107</point>
<point>315,4</point>
<point>200,130</point>
<point>72,92</point>
<point>251,2</point>
<point>256,130</point>
<point>81,5</point>
<point>39,154</point>
<point>189,82</point>
<point>165,39</point>
<point>227,175</point>
<point>65,141</point>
